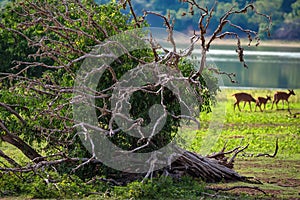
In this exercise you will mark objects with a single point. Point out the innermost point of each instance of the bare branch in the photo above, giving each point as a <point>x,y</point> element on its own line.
<point>169,25</point>
<point>236,153</point>
<point>18,142</point>
<point>8,108</point>
<point>42,164</point>
<point>229,75</point>
<point>268,155</point>
<point>137,22</point>
<point>9,160</point>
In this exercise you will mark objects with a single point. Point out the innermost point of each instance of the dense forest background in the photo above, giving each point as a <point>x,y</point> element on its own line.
<point>285,15</point>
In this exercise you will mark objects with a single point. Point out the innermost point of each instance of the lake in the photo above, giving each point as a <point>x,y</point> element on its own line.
<point>268,67</point>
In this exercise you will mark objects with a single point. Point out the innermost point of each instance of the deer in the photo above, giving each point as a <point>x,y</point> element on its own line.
<point>262,100</point>
<point>283,96</point>
<point>242,96</point>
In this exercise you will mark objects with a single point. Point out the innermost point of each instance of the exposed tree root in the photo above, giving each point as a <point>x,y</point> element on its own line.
<point>217,189</point>
<point>268,155</point>
<point>220,156</point>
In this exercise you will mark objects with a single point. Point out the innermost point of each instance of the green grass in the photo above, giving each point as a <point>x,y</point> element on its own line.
<point>258,129</point>
<point>280,175</point>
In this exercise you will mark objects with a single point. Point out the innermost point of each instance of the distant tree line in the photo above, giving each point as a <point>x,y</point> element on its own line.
<point>285,15</point>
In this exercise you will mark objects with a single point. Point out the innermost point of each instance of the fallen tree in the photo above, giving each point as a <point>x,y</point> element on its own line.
<point>61,39</point>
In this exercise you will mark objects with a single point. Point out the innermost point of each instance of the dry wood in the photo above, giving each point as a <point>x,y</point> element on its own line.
<point>206,168</point>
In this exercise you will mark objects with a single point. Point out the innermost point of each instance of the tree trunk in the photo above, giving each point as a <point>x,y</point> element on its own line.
<point>203,60</point>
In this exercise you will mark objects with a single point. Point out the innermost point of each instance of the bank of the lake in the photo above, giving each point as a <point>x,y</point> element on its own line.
<point>269,43</point>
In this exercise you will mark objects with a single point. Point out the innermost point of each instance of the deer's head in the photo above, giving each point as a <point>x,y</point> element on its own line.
<point>292,92</point>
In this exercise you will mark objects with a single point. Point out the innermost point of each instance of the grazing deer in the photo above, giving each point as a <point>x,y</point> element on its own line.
<point>262,100</point>
<point>283,96</point>
<point>242,96</point>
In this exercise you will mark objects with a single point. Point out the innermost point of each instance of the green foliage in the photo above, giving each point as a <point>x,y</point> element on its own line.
<point>161,188</point>
<point>30,100</point>
<point>54,186</point>
<point>16,48</point>
<point>70,186</point>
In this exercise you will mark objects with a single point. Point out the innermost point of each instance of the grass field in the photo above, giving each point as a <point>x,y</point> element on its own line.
<point>280,175</point>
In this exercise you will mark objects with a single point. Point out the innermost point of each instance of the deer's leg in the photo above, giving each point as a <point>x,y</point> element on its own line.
<point>244,104</point>
<point>256,107</point>
<point>256,104</point>
<point>277,104</point>
<point>238,105</point>
<point>259,105</point>
<point>273,104</point>
<point>250,105</point>
<point>260,108</point>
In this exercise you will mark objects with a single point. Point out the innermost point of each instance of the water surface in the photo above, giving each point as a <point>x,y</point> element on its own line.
<point>268,67</point>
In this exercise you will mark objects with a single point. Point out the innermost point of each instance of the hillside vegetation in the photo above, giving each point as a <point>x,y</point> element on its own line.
<point>285,15</point>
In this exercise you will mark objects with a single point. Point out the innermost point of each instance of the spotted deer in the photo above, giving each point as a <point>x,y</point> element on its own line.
<point>283,96</point>
<point>262,100</point>
<point>242,96</point>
